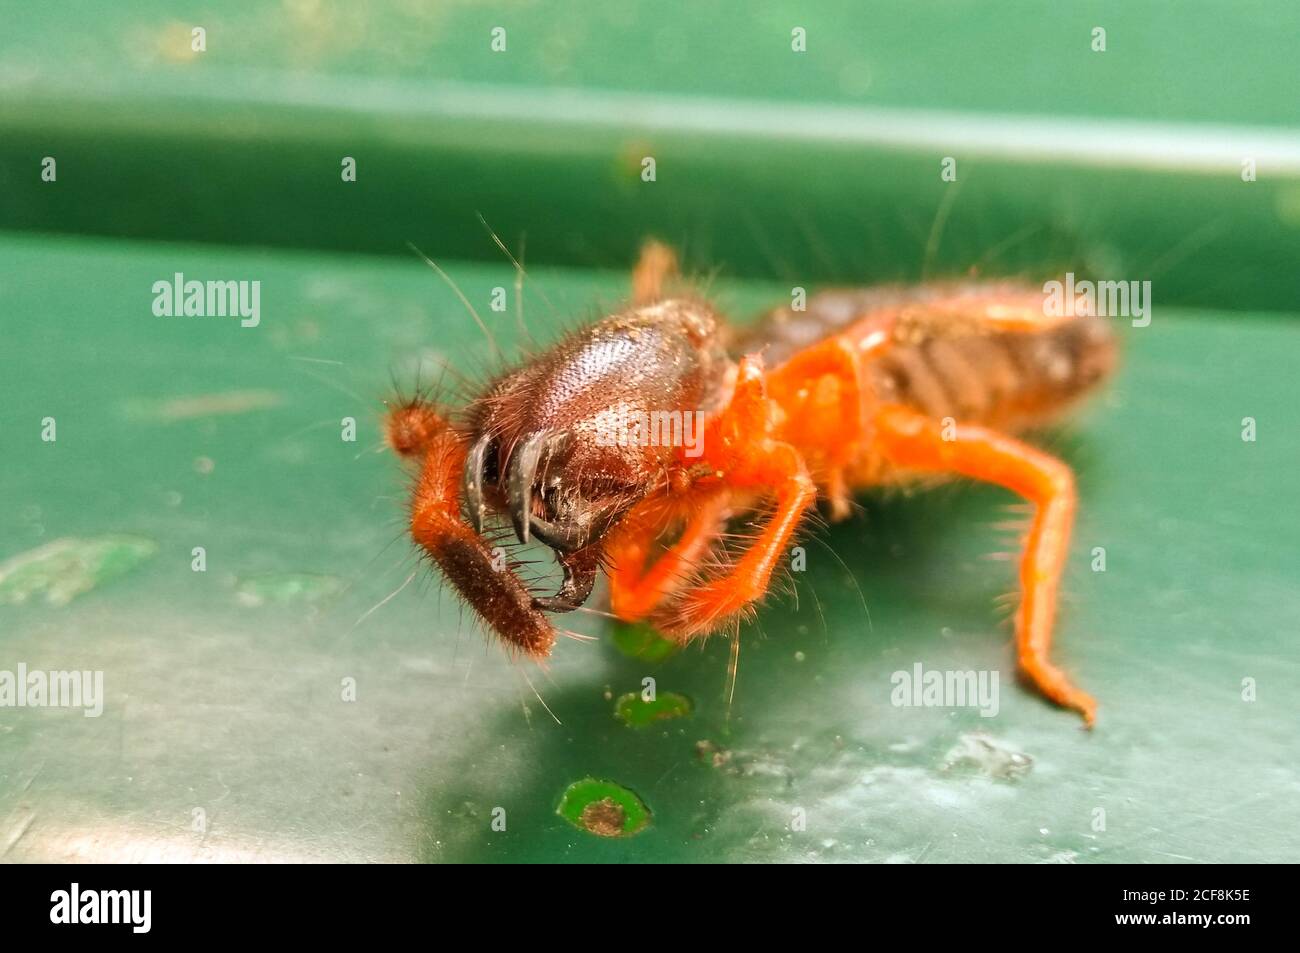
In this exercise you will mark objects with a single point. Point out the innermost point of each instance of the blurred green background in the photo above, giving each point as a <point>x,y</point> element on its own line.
<point>225,733</point>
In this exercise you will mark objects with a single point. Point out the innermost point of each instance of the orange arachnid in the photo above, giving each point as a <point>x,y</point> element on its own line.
<point>629,446</point>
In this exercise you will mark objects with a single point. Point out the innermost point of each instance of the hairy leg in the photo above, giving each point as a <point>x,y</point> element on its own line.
<point>913,440</point>
<point>710,606</point>
<point>742,456</point>
<point>411,426</point>
<point>820,393</point>
<point>656,266</point>
<point>636,591</point>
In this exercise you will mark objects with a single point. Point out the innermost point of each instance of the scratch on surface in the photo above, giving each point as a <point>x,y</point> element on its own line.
<point>204,405</point>
<point>18,833</point>
<point>1165,853</point>
<point>31,778</point>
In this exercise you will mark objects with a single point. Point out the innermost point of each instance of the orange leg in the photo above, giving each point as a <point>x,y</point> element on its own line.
<point>634,590</point>
<point>708,607</point>
<point>912,440</point>
<point>743,456</point>
<point>820,392</point>
<point>657,264</point>
<point>837,493</point>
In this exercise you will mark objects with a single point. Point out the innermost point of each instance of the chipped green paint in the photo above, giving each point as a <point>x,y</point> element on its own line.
<point>286,587</point>
<point>603,808</point>
<point>635,712</point>
<point>64,568</point>
<point>641,641</point>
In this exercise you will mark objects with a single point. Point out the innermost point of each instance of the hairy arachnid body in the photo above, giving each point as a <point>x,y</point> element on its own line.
<point>863,388</point>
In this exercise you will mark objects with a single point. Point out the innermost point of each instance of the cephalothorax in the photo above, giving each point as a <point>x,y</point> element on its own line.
<point>583,447</point>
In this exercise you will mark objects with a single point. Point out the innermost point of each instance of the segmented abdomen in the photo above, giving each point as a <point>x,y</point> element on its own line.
<point>976,352</point>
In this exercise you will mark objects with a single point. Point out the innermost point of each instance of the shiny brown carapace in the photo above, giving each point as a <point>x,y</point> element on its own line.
<point>629,446</point>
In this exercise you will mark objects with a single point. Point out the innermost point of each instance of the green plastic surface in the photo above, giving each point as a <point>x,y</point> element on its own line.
<point>311,694</point>
<point>238,710</point>
<point>769,163</point>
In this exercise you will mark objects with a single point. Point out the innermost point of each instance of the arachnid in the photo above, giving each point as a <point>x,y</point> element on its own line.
<point>588,447</point>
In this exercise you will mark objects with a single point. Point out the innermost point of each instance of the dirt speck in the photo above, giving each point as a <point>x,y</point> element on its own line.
<point>710,753</point>
<point>988,755</point>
